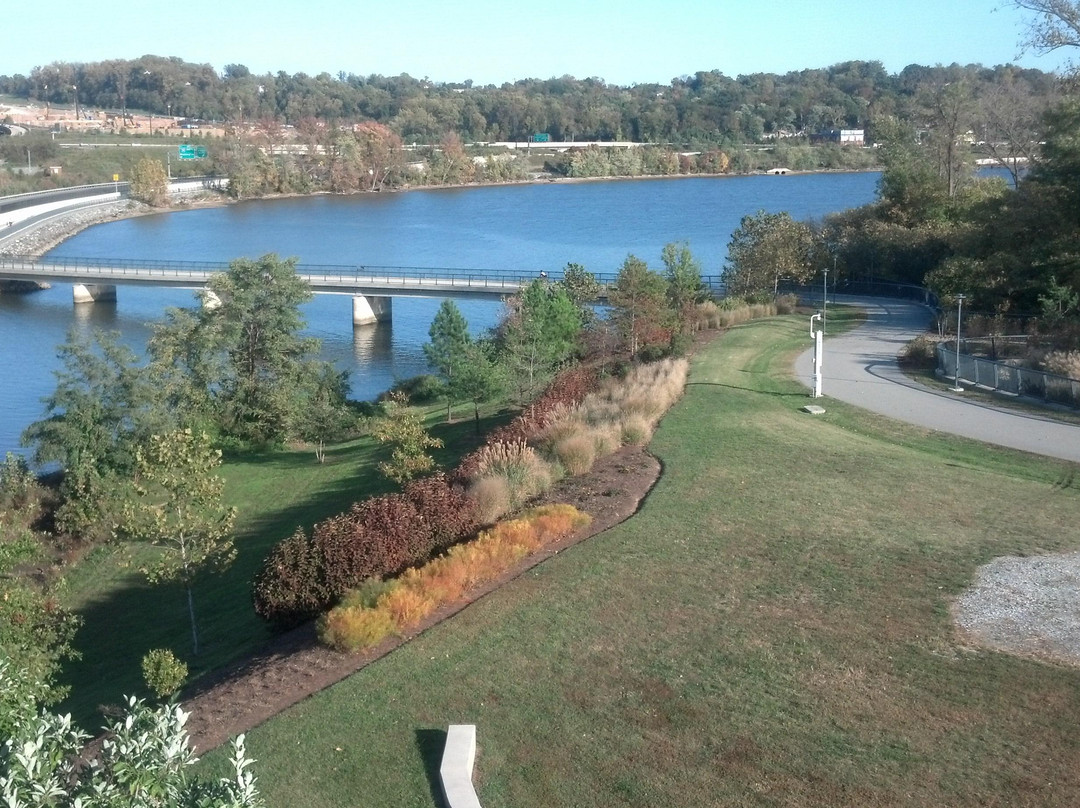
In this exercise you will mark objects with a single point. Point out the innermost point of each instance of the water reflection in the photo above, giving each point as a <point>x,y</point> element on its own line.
<point>372,344</point>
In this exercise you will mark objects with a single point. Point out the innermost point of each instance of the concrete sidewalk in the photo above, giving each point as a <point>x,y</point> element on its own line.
<point>860,368</point>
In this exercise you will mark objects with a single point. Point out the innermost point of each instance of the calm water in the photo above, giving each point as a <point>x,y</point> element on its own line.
<point>526,227</point>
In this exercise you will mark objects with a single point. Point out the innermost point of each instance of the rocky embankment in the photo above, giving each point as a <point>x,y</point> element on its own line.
<point>39,238</point>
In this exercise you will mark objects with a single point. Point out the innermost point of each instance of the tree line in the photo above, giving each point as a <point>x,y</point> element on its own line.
<point>707,108</point>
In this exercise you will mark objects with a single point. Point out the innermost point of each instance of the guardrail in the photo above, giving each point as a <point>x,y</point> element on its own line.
<point>1006,378</point>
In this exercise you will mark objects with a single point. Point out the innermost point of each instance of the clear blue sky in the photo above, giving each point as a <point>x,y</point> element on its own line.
<point>620,41</point>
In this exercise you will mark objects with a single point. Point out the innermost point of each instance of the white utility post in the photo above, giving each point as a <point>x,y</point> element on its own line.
<point>819,350</point>
<point>956,388</point>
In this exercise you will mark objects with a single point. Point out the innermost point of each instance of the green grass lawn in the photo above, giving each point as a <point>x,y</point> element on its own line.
<point>771,629</point>
<point>124,616</point>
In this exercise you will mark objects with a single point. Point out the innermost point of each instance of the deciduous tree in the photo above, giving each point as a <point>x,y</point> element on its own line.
<point>639,309</point>
<point>764,249</point>
<point>177,507</point>
<point>401,428</point>
<point>149,183</point>
<point>538,334</point>
<point>684,286</point>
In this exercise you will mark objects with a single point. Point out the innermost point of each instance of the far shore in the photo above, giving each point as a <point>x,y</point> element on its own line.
<point>48,235</point>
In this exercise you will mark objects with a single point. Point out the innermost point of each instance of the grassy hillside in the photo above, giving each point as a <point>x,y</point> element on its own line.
<point>771,629</point>
<point>124,616</point>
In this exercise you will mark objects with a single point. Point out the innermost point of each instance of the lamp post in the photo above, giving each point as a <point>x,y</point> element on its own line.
<point>956,388</point>
<point>825,299</point>
<point>75,88</point>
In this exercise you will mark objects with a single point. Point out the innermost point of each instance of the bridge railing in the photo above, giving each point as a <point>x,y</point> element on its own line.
<point>358,273</point>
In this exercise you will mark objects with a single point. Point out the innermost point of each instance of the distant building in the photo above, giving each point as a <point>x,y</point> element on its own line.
<point>845,137</point>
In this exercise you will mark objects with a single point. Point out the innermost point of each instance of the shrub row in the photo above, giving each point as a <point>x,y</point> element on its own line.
<point>574,422</point>
<point>304,575</point>
<point>401,604</point>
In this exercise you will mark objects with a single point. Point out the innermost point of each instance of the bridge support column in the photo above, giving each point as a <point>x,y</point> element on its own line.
<point>94,293</point>
<point>369,309</point>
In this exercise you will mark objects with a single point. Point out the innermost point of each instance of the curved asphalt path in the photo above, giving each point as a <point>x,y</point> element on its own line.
<point>860,368</point>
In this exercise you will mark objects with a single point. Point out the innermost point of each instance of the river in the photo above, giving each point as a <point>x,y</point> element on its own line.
<point>534,227</point>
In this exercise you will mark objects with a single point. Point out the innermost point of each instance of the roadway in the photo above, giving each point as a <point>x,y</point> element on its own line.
<point>860,368</point>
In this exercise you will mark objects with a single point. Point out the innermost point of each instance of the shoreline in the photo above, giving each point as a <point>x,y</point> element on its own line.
<point>48,235</point>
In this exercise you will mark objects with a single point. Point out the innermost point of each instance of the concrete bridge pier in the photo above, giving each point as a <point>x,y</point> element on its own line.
<point>370,309</point>
<point>94,293</point>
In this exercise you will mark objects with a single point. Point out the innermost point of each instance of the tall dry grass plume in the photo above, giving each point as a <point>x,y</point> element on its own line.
<point>523,470</point>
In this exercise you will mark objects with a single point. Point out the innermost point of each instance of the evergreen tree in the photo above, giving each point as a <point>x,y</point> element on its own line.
<point>449,333</point>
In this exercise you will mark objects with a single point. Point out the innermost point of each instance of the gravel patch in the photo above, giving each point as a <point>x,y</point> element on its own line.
<point>1028,606</point>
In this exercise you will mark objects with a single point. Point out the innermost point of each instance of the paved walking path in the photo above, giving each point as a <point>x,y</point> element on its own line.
<point>860,368</point>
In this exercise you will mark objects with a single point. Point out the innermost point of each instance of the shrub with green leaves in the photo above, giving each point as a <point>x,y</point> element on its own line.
<point>163,673</point>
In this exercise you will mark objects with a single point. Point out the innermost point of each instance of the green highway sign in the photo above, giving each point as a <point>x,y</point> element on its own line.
<point>189,152</point>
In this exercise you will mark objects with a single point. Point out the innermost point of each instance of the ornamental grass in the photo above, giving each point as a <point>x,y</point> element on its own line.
<point>404,602</point>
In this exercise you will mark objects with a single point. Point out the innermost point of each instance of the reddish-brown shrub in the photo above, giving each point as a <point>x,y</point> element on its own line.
<point>288,589</point>
<point>447,511</point>
<point>348,553</point>
<point>400,537</point>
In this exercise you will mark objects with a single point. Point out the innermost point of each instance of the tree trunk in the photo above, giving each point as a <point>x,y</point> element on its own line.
<point>191,614</point>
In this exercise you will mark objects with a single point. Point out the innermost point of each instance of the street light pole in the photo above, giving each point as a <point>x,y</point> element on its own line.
<point>825,300</point>
<point>956,388</point>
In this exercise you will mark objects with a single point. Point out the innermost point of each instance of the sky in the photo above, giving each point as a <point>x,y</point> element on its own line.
<point>623,42</point>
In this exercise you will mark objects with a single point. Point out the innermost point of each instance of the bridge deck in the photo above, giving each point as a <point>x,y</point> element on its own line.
<point>324,279</point>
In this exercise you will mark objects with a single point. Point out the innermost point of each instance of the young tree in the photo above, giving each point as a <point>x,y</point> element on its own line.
<point>103,406</point>
<point>684,286</point>
<point>480,377</point>
<point>149,183</point>
<point>639,309</point>
<point>177,507</point>
<point>582,288</point>
<point>322,414</point>
<point>538,334</point>
<point>765,248</point>
<point>449,333</point>
<point>144,758</point>
<point>401,428</point>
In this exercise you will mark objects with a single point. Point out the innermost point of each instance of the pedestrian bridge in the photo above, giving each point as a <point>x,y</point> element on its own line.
<point>96,279</point>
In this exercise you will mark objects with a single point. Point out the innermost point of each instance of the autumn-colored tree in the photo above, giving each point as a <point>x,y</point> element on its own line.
<point>639,311</point>
<point>380,152</point>
<point>149,183</point>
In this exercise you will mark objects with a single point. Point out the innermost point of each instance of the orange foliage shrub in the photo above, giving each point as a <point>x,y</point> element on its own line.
<point>352,628</point>
<point>407,604</point>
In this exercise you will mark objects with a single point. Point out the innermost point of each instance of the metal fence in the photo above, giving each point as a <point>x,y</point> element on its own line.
<point>1008,378</point>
